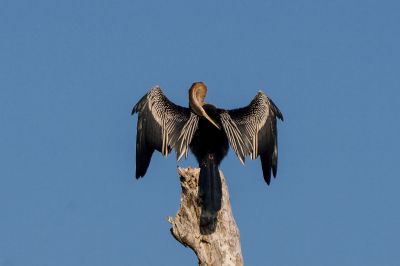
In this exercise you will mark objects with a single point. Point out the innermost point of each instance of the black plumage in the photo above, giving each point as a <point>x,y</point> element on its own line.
<point>209,145</point>
<point>207,131</point>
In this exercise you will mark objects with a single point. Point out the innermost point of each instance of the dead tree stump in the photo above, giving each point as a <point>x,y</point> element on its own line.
<point>222,246</point>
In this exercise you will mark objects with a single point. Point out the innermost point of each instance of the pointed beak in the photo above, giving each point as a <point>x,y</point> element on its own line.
<point>209,119</point>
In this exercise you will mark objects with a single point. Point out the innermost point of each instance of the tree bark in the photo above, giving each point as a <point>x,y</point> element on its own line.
<point>220,247</point>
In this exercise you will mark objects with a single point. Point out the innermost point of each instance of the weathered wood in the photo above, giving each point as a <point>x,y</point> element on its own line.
<point>222,246</point>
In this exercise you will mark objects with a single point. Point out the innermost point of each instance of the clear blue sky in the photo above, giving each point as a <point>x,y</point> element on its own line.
<point>70,72</point>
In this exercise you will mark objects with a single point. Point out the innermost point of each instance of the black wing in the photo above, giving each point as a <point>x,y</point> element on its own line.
<point>162,125</point>
<point>252,130</point>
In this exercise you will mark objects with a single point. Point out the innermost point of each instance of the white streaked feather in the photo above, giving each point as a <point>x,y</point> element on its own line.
<point>167,118</point>
<point>250,122</point>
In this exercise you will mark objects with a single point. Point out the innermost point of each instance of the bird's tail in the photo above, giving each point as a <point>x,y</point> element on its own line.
<point>210,192</point>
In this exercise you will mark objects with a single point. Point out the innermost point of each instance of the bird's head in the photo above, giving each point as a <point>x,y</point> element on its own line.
<point>197,93</point>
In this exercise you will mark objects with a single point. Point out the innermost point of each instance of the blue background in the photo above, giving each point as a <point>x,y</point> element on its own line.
<point>70,72</point>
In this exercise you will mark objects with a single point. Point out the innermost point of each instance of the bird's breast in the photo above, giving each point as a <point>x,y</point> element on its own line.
<point>208,139</point>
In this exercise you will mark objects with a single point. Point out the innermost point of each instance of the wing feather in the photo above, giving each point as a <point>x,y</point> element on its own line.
<point>162,125</point>
<point>252,131</point>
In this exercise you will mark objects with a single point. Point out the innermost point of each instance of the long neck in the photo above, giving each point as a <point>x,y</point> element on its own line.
<point>196,97</point>
<point>197,93</point>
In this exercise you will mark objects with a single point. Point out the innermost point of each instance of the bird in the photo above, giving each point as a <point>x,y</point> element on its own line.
<point>207,131</point>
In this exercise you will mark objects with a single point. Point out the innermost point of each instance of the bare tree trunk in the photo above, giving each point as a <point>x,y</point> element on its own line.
<point>222,246</point>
